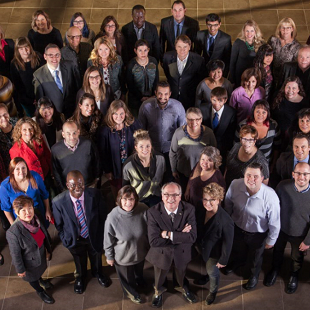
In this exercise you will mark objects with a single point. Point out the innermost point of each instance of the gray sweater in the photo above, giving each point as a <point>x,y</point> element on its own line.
<point>295,210</point>
<point>125,235</point>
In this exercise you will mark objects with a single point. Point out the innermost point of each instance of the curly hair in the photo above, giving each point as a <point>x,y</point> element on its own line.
<point>248,129</point>
<point>215,191</point>
<point>263,51</point>
<point>258,38</point>
<point>94,56</point>
<point>127,191</point>
<point>35,16</point>
<point>281,93</point>
<point>17,135</point>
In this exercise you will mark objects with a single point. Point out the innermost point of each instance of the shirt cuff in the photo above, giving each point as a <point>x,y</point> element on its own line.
<point>171,235</point>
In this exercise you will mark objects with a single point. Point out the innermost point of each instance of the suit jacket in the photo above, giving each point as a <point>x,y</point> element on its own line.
<point>67,224</point>
<point>9,55</point>
<point>24,249</point>
<point>166,33</point>
<point>224,132</point>
<point>45,85</point>
<point>150,34</point>
<point>215,238</point>
<point>183,87</point>
<point>221,49</point>
<point>164,251</point>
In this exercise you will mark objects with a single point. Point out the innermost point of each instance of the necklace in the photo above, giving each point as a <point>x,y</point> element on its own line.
<point>50,123</point>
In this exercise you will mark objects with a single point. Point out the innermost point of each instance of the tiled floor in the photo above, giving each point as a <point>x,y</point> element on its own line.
<point>15,17</point>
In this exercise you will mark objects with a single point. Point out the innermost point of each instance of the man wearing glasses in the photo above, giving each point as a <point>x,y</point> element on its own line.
<point>255,209</point>
<point>76,51</point>
<point>294,198</point>
<point>172,232</point>
<point>58,80</point>
<point>214,43</point>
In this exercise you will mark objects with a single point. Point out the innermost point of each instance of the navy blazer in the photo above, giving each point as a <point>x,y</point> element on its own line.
<point>164,251</point>
<point>67,224</point>
<point>167,34</point>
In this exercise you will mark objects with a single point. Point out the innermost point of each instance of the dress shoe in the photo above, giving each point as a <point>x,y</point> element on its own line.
<point>1,259</point>
<point>252,282</point>
<point>292,285</point>
<point>78,286</point>
<point>210,298</point>
<point>202,280</point>
<point>46,298</point>
<point>271,277</point>
<point>190,297</point>
<point>136,299</point>
<point>157,301</point>
<point>45,284</point>
<point>104,281</point>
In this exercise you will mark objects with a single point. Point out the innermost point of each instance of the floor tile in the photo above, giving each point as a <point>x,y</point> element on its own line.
<point>17,30</point>
<point>79,3</point>
<point>202,14</point>
<point>21,15</point>
<point>154,15</point>
<point>288,4</point>
<point>237,17</point>
<point>56,15</point>
<point>53,4</point>
<point>28,3</point>
<point>124,16</point>
<point>5,14</point>
<point>159,4</point>
<point>68,13</point>
<point>129,4</point>
<point>216,4</point>
<point>263,4</point>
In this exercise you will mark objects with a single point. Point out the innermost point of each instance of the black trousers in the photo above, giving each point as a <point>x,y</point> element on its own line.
<point>128,275</point>
<point>296,255</point>
<point>80,252</point>
<point>248,246</point>
<point>36,286</point>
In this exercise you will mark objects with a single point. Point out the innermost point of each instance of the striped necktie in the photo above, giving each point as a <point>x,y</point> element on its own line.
<point>82,220</point>
<point>57,81</point>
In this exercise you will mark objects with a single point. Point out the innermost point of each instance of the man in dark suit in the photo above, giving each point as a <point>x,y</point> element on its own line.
<point>173,26</point>
<point>58,80</point>
<point>138,29</point>
<point>184,71</point>
<point>214,43</point>
<point>80,214</point>
<point>287,161</point>
<point>301,68</point>
<point>172,232</point>
<point>221,118</point>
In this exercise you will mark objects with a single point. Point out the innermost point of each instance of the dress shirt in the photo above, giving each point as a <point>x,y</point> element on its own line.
<point>54,74</point>
<point>81,199</point>
<point>208,40</point>
<point>257,213</point>
<point>169,212</point>
<point>302,191</point>
<point>181,24</point>
<point>161,123</point>
<point>219,112</point>
<point>296,161</point>
<point>181,64</point>
<point>71,148</point>
<point>139,31</point>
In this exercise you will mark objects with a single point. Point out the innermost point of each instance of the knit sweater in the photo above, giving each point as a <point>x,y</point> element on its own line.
<point>125,235</point>
<point>295,210</point>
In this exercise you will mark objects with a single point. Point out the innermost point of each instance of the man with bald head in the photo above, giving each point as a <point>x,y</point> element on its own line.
<point>294,195</point>
<point>80,214</point>
<point>75,152</point>
<point>76,51</point>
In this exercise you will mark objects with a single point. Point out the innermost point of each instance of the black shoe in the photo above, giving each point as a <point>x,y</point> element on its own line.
<point>271,277</point>
<point>157,301</point>
<point>136,299</point>
<point>202,280</point>
<point>78,286</point>
<point>210,298</point>
<point>1,259</point>
<point>292,285</point>
<point>104,281</point>
<point>46,298</point>
<point>252,282</point>
<point>190,297</point>
<point>45,284</point>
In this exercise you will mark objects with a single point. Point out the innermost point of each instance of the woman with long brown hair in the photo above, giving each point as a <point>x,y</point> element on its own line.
<point>25,62</point>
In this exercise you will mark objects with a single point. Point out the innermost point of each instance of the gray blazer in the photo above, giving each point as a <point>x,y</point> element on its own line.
<point>23,248</point>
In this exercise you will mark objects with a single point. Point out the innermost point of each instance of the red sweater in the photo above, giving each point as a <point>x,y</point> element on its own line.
<point>38,237</point>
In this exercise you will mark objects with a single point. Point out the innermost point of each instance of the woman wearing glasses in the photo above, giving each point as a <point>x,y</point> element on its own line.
<point>244,153</point>
<point>125,241</point>
<point>187,144</point>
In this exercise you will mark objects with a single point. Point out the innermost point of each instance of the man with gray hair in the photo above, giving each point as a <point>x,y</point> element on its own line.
<point>172,232</point>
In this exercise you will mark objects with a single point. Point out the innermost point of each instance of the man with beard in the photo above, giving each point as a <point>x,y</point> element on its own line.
<point>161,116</point>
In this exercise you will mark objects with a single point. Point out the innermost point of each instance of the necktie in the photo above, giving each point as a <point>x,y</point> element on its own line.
<point>211,45</point>
<point>82,220</point>
<point>178,30</point>
<point>172,215</point>
<point>58,82</point>
<point>215,120</point>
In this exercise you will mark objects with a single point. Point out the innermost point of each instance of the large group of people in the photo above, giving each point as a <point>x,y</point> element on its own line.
<point>211,162</point>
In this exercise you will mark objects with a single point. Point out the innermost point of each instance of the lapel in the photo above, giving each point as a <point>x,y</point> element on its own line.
<point>69,208</point>
<point>165,217</point>
<point>173,66</point>
<point>49,78</point>
<point>217,40</point>
<point>223,122</point>
<point>189,63</point>
<point>185,26</point>
<point>132,30</point>
<point>88,202</point>
<point>170,30</point>
<point>178,217</point>
<point>27,150</point>
<point>25,232</point>
<point>64,74</point>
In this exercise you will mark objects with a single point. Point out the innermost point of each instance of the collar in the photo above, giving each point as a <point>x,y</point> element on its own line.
<point>219,112</point>
<point>51,69</point>
<point>306,160</point>
<point>136,28</point>
<point>70,48</point>
<point>209,35</point>
<point>70,147</point>
<point>169,212</point>
<point>259,194</point>
<point>182,61</point>
<point>156,106</point>
<point>303,191</point>
<point>181,23</point>
<point>74,199</point>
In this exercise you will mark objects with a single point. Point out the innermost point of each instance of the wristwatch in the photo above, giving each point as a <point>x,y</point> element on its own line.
<point>167,236</point>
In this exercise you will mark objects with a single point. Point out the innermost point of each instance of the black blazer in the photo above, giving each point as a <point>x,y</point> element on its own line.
<point>221,50</point>
<point>45,85</point>
<point>215,238</point>
<point>183,87</point>
<point>150,34</point>
<point>224,132</point>
<point>67,224</point>
<point>164,251</point>
<point>9,55</point>
<point>166,33</point>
